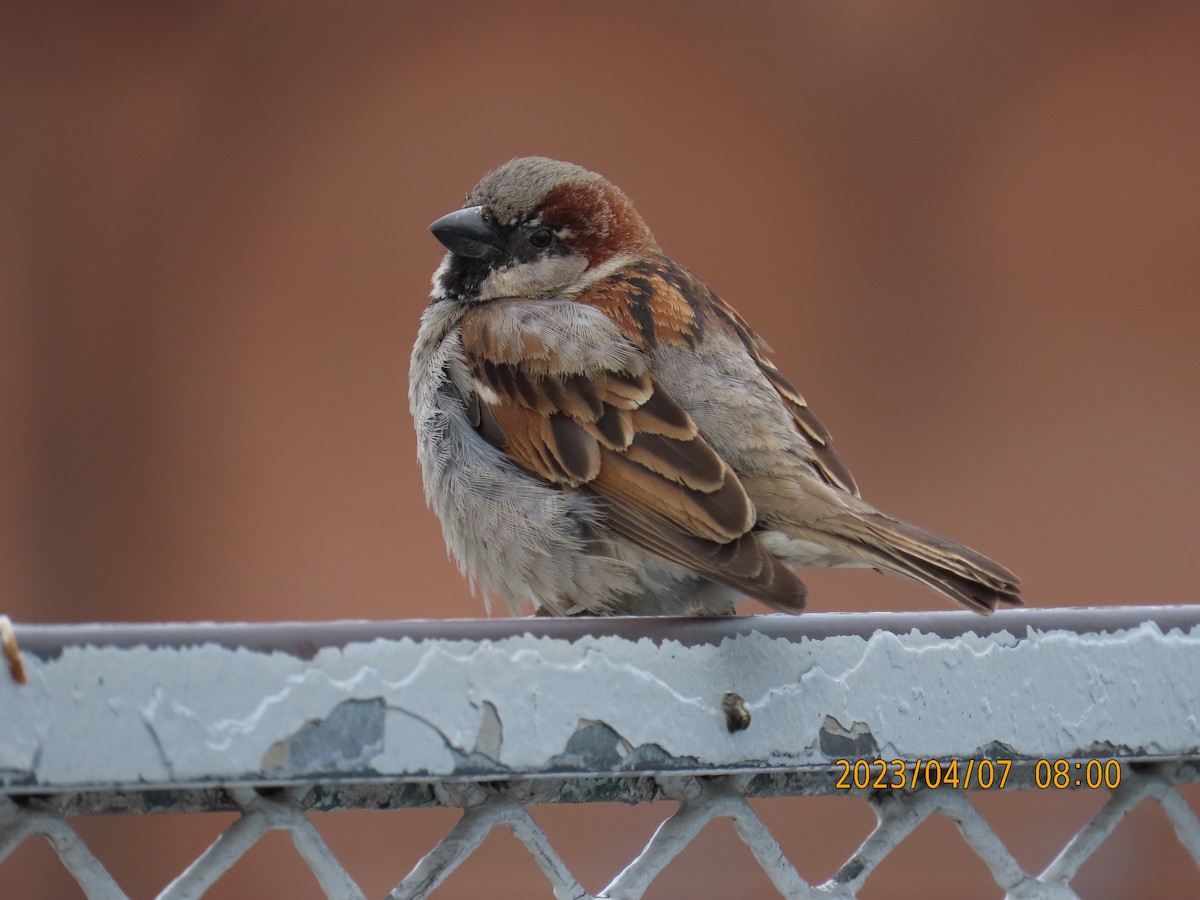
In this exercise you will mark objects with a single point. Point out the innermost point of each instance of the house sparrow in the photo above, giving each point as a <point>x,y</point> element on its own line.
<point>601,433</point>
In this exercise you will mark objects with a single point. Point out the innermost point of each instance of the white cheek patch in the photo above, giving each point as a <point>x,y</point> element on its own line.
<point>540,278</point>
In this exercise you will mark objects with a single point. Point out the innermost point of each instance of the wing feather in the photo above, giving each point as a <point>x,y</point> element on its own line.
<point>614,431</point>
<point>656,301</point>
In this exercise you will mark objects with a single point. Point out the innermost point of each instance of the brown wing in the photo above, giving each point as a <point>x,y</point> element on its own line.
<point>657,301</point>
<point>824,458</point>
<point>616,433</point>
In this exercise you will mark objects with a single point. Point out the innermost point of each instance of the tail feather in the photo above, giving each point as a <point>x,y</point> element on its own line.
<point>963,575</point>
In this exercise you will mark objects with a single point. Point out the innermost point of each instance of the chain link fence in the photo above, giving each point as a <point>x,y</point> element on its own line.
<point>912,712</point>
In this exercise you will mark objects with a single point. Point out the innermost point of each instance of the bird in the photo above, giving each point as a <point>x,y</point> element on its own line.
<point>599,433</point>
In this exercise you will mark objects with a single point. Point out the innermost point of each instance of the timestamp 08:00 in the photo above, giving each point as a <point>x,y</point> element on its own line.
<point>1068,773</point>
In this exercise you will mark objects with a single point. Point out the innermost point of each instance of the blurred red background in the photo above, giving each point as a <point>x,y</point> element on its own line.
<point>969,231</point>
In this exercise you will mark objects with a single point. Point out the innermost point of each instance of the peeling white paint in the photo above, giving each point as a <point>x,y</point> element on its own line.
<point>109,716</point>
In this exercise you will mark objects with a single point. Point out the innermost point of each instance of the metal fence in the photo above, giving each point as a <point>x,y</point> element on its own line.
<point>913,712</point>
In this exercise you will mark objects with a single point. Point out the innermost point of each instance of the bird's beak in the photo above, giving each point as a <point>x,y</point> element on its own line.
<point>465,233</point>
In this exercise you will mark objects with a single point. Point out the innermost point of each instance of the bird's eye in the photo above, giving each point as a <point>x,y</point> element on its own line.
<point>542,238</point>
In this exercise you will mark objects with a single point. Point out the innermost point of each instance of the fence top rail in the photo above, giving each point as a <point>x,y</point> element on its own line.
<point>605,702</point>
<point>491,716</point>
<point>304,639</point>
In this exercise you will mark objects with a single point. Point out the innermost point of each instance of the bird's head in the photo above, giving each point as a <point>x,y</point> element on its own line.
<point>535,228</point>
